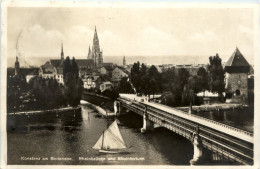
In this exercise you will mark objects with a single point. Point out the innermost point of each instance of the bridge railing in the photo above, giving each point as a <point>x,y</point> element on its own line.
<point>194,116</point>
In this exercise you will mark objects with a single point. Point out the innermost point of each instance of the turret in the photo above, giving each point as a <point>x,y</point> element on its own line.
<point>17,66</point>
<point>124,62</point>
<point>62,54</point>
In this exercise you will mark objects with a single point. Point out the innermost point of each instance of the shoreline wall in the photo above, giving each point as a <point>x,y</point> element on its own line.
<point>213,107</point>
<point>46,111</point>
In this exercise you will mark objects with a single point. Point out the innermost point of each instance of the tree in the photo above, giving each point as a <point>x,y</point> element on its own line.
<point>216,75</point>
<point>203,81</point>
<point>135,76</point>
<point>168,78</point>
<point>74,68</point>
<point>73,85</point>
<point>66,67</point>
<point>190,90</point>
<point>183,76</point>
<point>125,86</point>
<point>154,80</point>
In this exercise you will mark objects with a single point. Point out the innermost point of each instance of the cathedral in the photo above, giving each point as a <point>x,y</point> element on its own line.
<point>96,53</point>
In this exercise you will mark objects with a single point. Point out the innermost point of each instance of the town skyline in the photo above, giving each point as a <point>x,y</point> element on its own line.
<point>180,33</point>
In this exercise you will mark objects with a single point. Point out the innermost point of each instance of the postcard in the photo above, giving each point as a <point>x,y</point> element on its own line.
<point>129,85</point>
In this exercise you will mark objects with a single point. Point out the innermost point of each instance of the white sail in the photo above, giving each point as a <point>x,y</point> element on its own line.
<point>110,139</point>
<point>98,144</point>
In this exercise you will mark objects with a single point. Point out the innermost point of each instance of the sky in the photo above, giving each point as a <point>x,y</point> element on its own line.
<point>184,35</point>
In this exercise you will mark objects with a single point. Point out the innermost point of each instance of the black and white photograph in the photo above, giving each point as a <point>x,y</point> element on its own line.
<point>129,84</point>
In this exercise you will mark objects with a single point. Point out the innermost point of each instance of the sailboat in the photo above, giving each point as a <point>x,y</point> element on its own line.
<point>110,141</point>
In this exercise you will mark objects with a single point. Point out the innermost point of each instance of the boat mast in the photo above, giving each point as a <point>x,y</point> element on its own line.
<point>102,140</point>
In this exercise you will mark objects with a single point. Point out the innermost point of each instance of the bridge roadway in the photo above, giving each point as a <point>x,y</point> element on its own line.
<point>224,141</point>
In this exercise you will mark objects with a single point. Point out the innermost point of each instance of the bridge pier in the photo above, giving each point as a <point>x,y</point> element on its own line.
<point>197,148</point>
<point>119,109</point>
<point>147,124</point>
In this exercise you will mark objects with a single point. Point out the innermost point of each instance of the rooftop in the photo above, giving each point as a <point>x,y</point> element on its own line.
<point>237,59</point>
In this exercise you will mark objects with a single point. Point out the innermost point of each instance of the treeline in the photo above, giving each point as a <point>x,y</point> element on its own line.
<point>16,93</point>
<point>177,86</point>
<point>49,93</point>
<point>45,93</point>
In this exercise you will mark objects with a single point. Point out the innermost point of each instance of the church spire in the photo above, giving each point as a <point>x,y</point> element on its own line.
<point>62,54</point>
<point>95,39</point>
<point>124,62</point>
<point>17,66</point>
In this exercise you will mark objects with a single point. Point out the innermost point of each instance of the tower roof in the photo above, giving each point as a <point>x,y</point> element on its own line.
<point>95,39</point>
<point>237,59</point>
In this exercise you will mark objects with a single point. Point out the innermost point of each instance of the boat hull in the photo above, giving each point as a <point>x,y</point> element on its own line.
<point>109,151</point>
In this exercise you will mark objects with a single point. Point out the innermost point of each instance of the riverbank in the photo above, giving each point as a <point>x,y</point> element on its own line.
<point>100,110</point>
<point>64,109</point>
<point>214,107</point>
<point>98,100</point>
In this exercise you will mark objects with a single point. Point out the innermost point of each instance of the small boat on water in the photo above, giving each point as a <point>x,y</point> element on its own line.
<point>111,141</point>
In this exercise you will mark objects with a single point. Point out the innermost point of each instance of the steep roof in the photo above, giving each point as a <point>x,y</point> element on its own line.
<point>85,62</point>
<point>55,62</point>
<point>95,78</point>
<point>123,70</point>
<point>237,59</point>
<point>80,62</point>
<point>108,64</point>
<point>28,71</point>
<point>34,71</point>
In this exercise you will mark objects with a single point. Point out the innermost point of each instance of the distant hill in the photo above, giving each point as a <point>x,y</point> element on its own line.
<point>156,60</point>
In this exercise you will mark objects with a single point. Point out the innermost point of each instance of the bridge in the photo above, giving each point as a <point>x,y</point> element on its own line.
<point>225,142</point>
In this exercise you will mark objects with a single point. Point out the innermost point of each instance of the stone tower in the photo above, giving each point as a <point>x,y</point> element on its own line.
<point>124,62</point>
<point>16,67</point>
<point>62,53</point>
<point>96,53</point>
<point>236,78</point>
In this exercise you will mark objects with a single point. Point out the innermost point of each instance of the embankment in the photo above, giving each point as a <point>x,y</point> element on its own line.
<point>65,109</point>
<point>100,110</point>
<point>104,102</point>
<point>213,107</point>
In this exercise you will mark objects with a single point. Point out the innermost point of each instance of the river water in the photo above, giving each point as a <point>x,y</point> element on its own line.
<point>239,118</point>
<point>67,138</point>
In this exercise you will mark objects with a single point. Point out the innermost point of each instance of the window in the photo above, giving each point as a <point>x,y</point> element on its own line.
<point>237,92</point>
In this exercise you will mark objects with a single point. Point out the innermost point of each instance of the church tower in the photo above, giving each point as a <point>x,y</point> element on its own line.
<point>236,78</point>
<point>16,66</point>
<point>96,53</point>
<point>62,54</point>
<point>124,62</point>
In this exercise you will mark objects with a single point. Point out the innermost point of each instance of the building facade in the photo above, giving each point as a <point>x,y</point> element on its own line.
<point>106,86</point>
<point>92,82</point>
<point>119,73</point>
